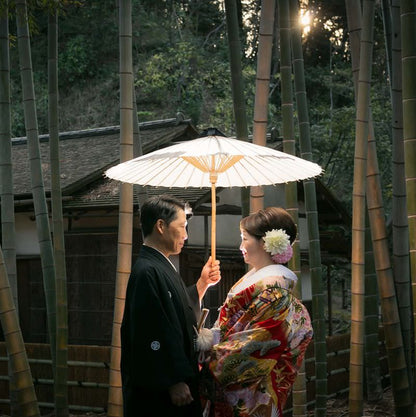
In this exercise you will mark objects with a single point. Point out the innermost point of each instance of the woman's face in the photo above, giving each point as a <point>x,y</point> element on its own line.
<point>252,249</point>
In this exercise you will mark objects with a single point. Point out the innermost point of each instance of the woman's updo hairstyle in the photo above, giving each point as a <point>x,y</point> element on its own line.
<point>262,221</point>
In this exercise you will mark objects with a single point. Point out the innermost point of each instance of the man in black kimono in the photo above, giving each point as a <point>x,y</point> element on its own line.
<point>159,365</point>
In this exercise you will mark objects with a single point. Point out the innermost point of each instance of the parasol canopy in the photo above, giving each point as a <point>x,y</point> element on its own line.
<point>236,164</point>
<point>213,161</point>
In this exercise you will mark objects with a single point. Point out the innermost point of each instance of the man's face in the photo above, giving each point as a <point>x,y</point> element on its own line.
<point>175,234</point>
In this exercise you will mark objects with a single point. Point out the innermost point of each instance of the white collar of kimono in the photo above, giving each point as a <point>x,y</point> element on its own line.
<point>173,266</point>
<point>253,276</point>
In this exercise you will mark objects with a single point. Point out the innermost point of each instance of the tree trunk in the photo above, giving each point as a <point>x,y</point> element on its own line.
<point>311,209</point>
<point>237,86</point>
<point>38,189</point>
<point>61,372</point>
<point>124,254</point>
<point>261,100</point>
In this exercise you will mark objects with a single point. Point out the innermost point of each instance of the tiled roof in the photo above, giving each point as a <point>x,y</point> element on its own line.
<point>85,155</point>
<point>105,192</point>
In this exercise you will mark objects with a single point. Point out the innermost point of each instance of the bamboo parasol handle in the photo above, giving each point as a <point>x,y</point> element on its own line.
<point>213,221</point>
<point>202,319</point>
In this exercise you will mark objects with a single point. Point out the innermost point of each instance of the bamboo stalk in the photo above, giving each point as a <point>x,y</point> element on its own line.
<point>19,366</point>
<point>7,215</point>
<point>38,189</point>
<point>394,339</point>
<point>358,215</point>
<point>261,99</point>
<point>311,209</point>
<point>61,370</point>
<point>400,261</point>
<point>125,243</point>
<point>237,87</point>
<point>299,387</point>
<point>408,36</point>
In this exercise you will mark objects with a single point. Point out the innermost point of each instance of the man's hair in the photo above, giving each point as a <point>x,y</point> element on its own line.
<point>262,221</point>
<point>160,207</point>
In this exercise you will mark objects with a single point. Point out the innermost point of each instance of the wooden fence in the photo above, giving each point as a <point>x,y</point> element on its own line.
<point>88,373</point>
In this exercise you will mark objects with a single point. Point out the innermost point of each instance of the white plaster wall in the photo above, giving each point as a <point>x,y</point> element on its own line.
<point>27,243</point>
<point>274,195</point>
<point>303,233</point>
<point>227,230</point>
<point>306,283</point>
<point>26,235</point>
<point>230,196</point>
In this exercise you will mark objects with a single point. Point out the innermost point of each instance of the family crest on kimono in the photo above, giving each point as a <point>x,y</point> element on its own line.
<point>253,353</point>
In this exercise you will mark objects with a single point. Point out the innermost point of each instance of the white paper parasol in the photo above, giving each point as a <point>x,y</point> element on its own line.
<point>213,161</point>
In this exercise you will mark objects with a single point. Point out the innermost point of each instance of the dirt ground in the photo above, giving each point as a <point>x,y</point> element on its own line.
<point>337,407</point>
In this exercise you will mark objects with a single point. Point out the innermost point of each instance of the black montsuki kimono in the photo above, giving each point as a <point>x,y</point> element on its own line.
<point>157,338</point>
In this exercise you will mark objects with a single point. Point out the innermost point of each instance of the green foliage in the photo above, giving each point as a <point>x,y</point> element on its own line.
<point>183,64</point>
<point>182,78</point>
<point>76,61</point>
<point>332,109</point>
<point>333,129</point>
<point>180,58</point>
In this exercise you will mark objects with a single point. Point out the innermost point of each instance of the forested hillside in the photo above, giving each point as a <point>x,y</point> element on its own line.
<point>180,57</point>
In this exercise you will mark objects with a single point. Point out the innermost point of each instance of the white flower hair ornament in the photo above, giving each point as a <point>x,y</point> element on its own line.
<point>277,243</point>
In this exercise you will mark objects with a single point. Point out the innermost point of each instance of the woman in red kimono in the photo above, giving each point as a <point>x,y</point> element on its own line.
<point>262,331</point>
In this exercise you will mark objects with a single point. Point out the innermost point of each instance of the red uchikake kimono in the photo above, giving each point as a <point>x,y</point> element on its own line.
<point>264,333</point>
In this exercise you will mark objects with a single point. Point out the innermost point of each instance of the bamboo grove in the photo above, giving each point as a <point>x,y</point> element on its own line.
<point>382,273</point>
